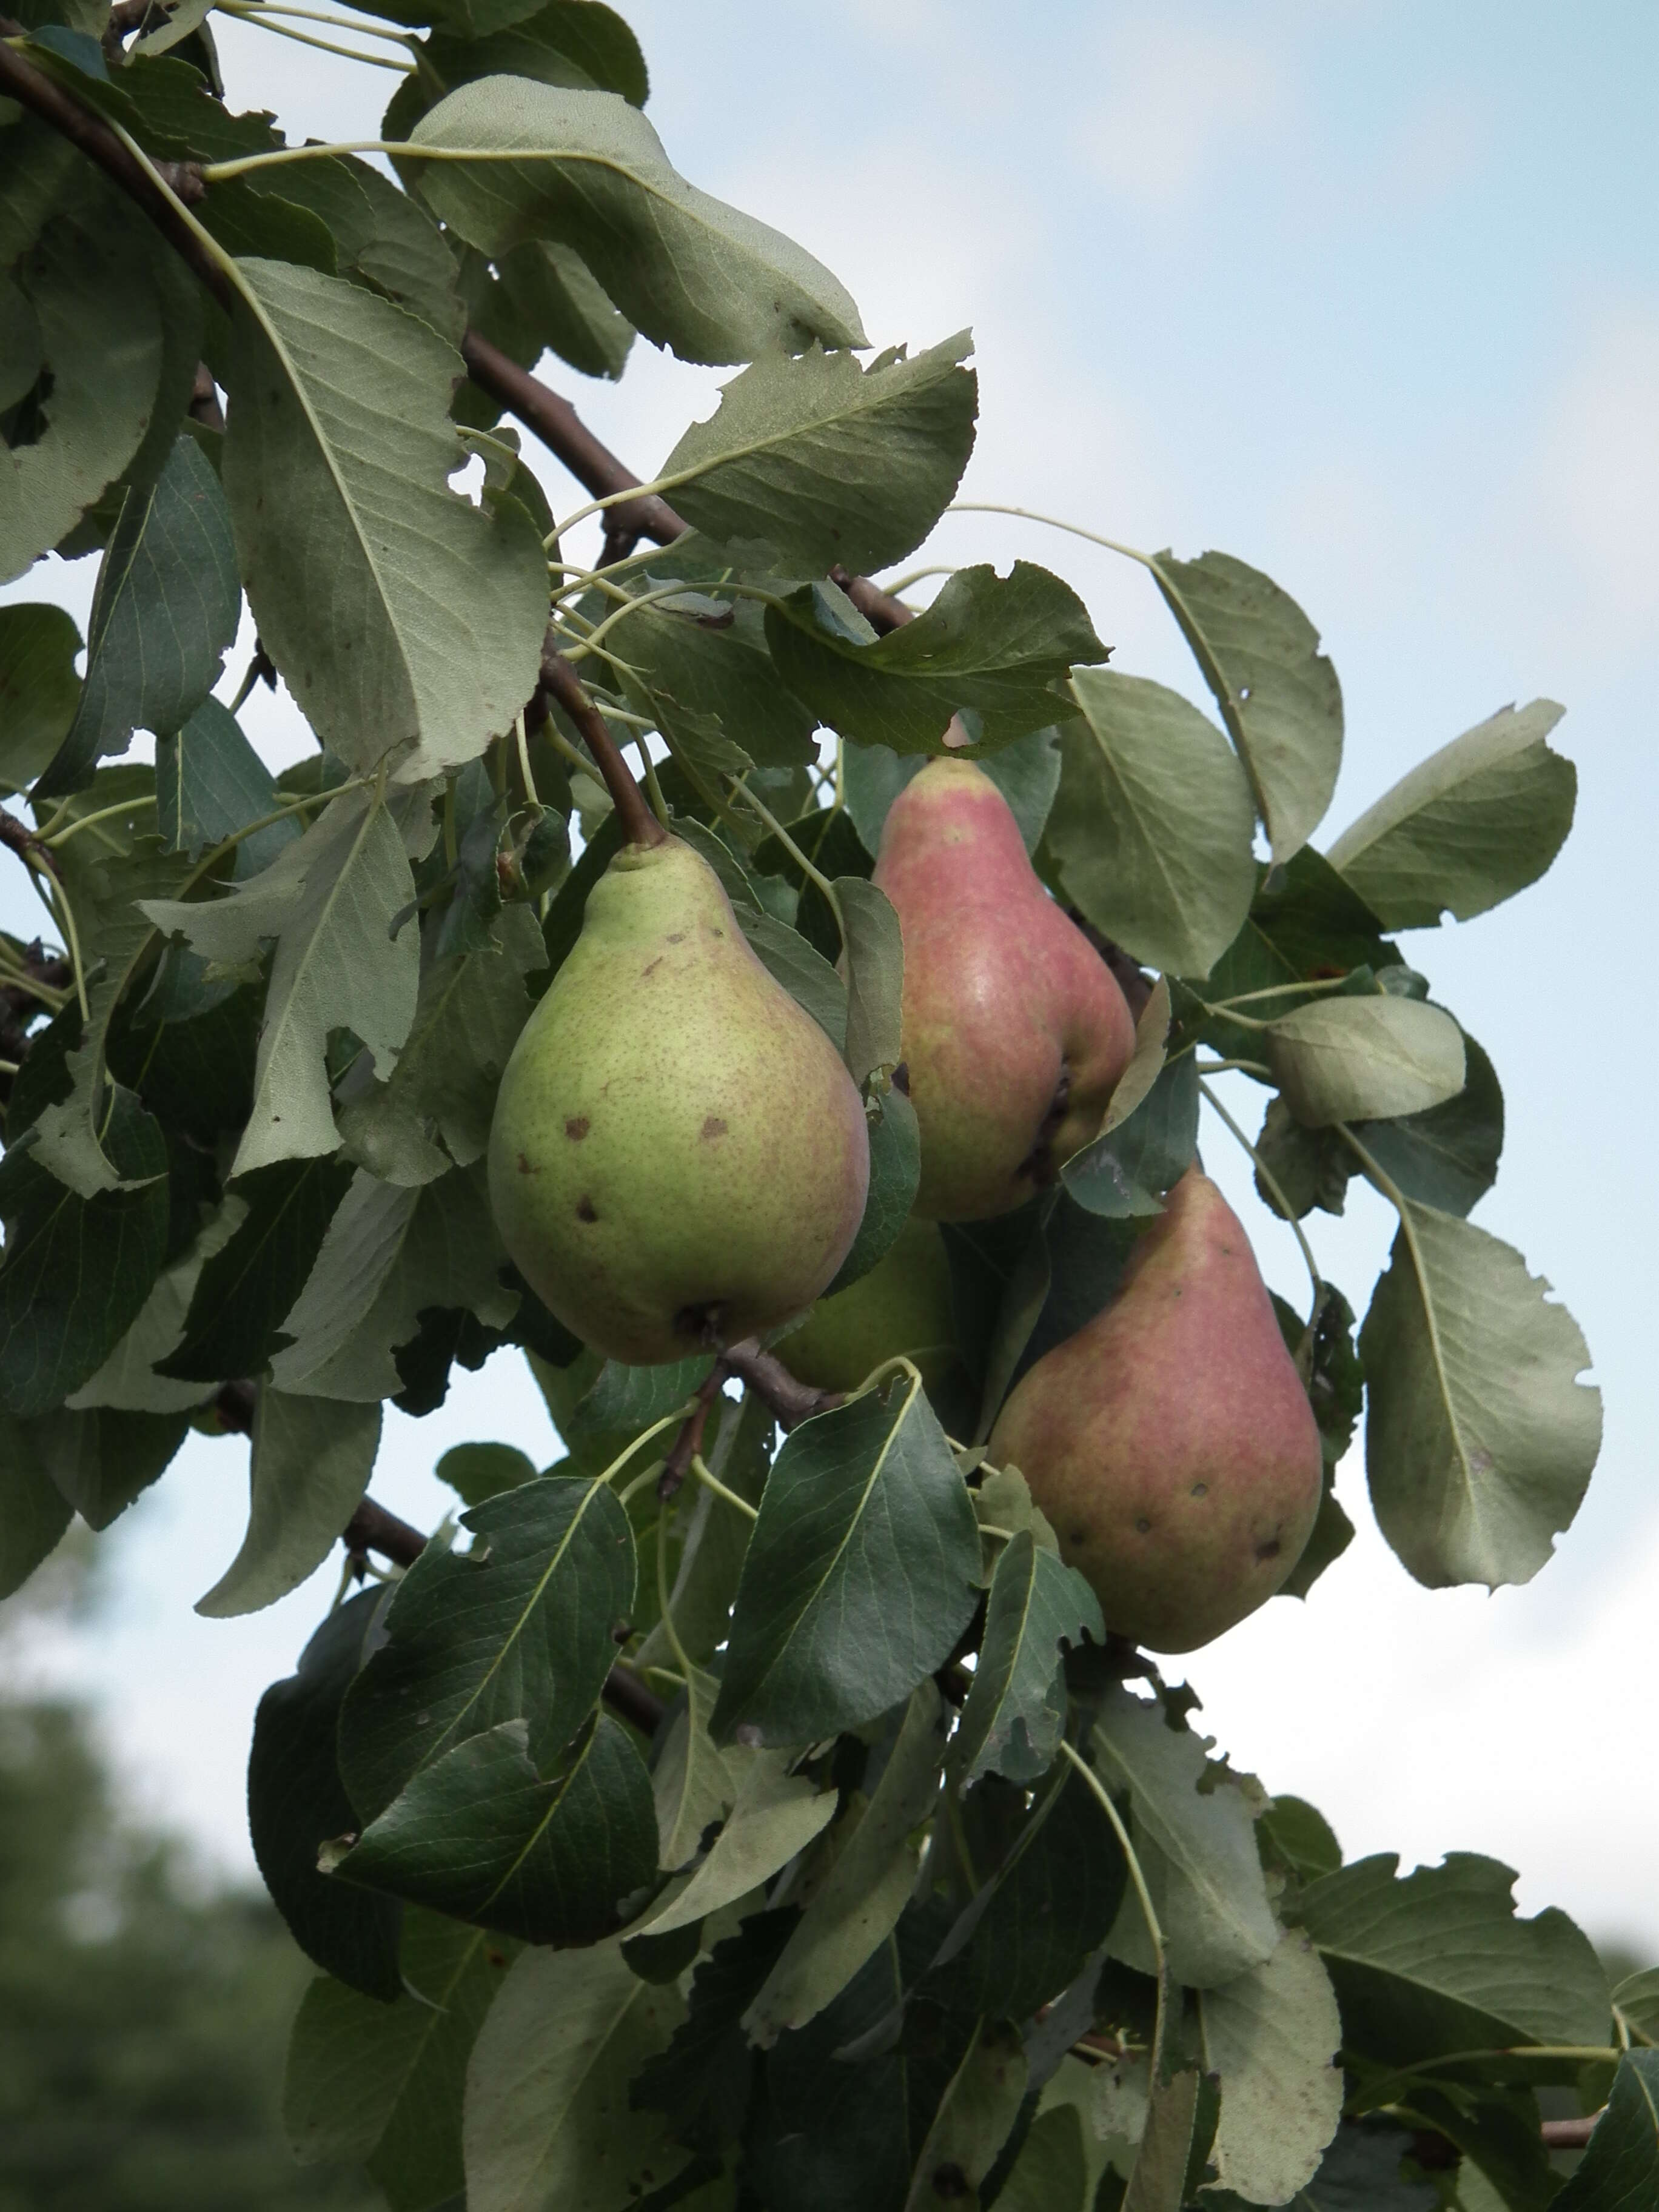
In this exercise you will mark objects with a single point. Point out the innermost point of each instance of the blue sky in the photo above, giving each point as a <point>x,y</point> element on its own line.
<point>1368,296</point>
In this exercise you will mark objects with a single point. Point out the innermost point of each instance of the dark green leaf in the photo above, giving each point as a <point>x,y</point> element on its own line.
<point>1446,1157</point>
<point>77,1270</point>
<point>165,612</point>
<point>624,1400</point>
<point>102,1459</point>
<point>580,43</point>
<point>805,975</point>
<point>895,1170</point>
<point>1305,925</point>
<point>695,676</point>
<point>1297,1836</point>
<point>295,1804</point>
<point>991,649</point>
<point>862,1570</point>
<point>1309,1167</point>
<point>708,2062</point>
<point>479,1472</point>
<point>543,296</point>
<point>1361,2173</point>
<point>1620,2172</point>
<point>479,1835</point>
<point>245,1291</point>
<point>874,957</point>
<point>1015,1709</point>
<point>38,688</point>
<point>311,1463</point>
<point>519,1628</point>
<point>210,782</point>
<point>33,1510</point>
<point>1129,1170</point>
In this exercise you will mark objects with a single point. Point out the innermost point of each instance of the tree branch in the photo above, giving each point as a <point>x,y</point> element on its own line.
<point>1568,2135</point>
<point>561,682</point>
<point>372,1529</point>
<point>43,96</point>
<point>689,1443</point>
<point>563,431</point>
<point>791,1400</point>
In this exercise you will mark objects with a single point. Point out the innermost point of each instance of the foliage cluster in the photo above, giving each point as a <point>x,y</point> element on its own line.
<point>904,1896</point>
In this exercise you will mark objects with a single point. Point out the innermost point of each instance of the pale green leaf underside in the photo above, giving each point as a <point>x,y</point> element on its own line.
<point>1363,1059</point>
<point>311,1465</point>
<point>1271,2036</point>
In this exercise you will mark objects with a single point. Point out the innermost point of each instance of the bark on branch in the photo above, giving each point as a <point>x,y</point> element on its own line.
<point>560,682</point>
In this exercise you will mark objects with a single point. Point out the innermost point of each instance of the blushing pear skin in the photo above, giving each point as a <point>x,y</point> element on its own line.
<point>678,1155</point>
<point>1170,1441</point>
<point>902,1306</point>
<point>1015,1031</point>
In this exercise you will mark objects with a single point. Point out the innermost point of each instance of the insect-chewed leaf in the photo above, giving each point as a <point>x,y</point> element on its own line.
<point>1272,2037</point>
<point>1469,827</point>
<point>165,613</point>
<point>548,2121</point>
<point>296,1803</point>
<point>381,2084</point>
<point>38,687</point>
<point>1354,1060</point>
<point>685,268</point>
<point>990,648</point>
<point>1193,1829</point>
<point>1155,824</point>
<point>861,1573</point>
<point>1621,2169</point>
<point>517,1629</point>
<point>825,462</point>
<point>1479,1441</point>
<point>1015,1709</point>
<point>1437,1961</point>
<point>404,620</point>
<point>868,1885</point>
<point>479,1834</point>
<point>311,1464</point>
<point>1278,693</point>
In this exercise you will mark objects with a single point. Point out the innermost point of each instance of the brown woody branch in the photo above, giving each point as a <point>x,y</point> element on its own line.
<point>1569,2135</point>
<point>372,1529</point>
<point>43,96</point>
<point>560,682</point>
<point>790,1399</point>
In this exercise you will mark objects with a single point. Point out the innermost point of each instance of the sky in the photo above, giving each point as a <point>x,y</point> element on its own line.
<point>1366,293</point>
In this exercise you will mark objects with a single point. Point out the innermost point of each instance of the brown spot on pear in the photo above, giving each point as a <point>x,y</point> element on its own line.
<point>1181,1389</point>
<point>1015,1031</point>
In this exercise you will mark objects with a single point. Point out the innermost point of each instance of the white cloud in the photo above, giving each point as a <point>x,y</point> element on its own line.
<point>1180,98</point>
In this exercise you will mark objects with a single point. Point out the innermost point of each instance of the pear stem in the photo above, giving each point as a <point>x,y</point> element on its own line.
<point>640,826</point>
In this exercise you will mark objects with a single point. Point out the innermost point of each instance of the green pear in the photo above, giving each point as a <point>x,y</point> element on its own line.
<point>1015,1031</point>
<point>1170,1441</point>
<point>902,1305</point>
<point>679,1156</point>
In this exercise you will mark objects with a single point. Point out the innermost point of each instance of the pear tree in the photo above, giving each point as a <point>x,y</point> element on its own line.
<point>782,1009</point>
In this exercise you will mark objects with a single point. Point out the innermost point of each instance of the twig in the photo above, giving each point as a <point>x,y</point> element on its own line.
<point>1568,2135</point>
<point>561,682</point>
<point>33,89</point>
<point>372,1529</point>
<point>688,1445</point>
<point>563,431</point>
<point>792,1400</point>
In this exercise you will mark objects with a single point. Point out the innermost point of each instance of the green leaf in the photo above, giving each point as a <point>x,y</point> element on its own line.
<point>1162,2167</point>
<point>1051,2173</point>
<point>477,1473</point>
<point>861,1572</point>
<point>404,620</point>
<point>1015,1709</point>
<point>38,687</point>
<point>973,2120</point>
<point>1352,1060</point>
<point>210,782</point>
<point>895,1172</point>
<point>545,296</point>
<point>1638,1997</point>
<point>1361,2173</point>
<point>1278,693</point>
<point>33,1510</point>
<point>86,280</point>
<point>1620,2172</point>
<point>311,1463</point>
<point>805,975</point>
<point>1154,830</point>
<point>715,1539</point>
<point>1271,2036</point>
<point>774,1815</point>
<point>1469,827</point>
<point>1297,1836</point>
<point>1193,1824</point>
<point>1437,1961</point>
<point>1447,1156</point>
<point>127,1380</point>
<point>328,900</point>
<point>480,1835</point>
<point>874,958</point>
<point>435,1109</point>
<point>102,1460</point>
<point>519,1628</point>
<point>548,2121</point>
<point>1128,1170</point>
<point>990,648</point>
<point>694,677</point>
<point>163,617</point>
<point>820,461</point>
<point>1479,1440</point>
<point>382,2084</point>
<point>77,1271</point>
<point>692,1786</point>
<point>868,1885</point>
<point>689,272</point>
<point>623,1400</point>
<point>244,1290</point>
<point>295,1803</point>
<point>1305,925</point>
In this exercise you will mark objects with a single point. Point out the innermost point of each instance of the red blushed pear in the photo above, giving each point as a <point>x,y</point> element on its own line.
<point>1015,1031</point>
<point>1170,1441</point>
